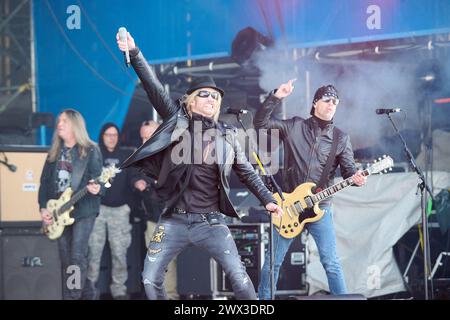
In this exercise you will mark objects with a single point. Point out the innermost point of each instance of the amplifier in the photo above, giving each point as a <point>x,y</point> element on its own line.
<point>19,184</point>
<point>250,246</point>
<point>252,240</point>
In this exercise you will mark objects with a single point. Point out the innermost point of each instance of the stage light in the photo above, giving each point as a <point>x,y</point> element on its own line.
<point>246,43</point>
<point>428,77</point>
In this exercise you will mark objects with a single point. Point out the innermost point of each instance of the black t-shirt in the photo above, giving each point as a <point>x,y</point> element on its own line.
<point>119,192</point>
<point>202,192</point>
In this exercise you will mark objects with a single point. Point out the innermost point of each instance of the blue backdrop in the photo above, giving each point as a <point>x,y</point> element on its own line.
<point>78,64</point>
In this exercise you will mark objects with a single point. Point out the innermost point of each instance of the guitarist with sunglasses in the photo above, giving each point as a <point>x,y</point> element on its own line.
<point>73,161</point>
<point>308,145</point>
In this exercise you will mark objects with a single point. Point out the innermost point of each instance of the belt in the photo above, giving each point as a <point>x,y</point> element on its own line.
<point>182,211</point>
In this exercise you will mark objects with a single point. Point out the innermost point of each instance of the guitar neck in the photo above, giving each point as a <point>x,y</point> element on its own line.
<point>328,192</point>
<point>75,198</point>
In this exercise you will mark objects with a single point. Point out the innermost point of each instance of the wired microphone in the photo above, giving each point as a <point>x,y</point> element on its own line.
<point>387,111</point>
<point>236,111</point>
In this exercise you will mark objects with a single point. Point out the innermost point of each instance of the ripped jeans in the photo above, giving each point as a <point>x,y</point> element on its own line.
<point>175,232</point>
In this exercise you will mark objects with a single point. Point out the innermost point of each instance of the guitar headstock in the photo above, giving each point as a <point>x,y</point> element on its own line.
<point>381,165</point>
<point>107,174</point>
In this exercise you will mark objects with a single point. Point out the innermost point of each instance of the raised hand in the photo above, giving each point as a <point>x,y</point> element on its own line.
<point>123,45</point>
<point>285,89</point>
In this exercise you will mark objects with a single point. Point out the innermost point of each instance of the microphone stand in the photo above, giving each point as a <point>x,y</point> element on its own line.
<point>275,185</point>
<point>423,186</point>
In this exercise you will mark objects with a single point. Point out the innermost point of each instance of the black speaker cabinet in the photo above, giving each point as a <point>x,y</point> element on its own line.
<point>200,277</point>
<point>292,276</point>
<point>194,276</point>
<point>30,268</point>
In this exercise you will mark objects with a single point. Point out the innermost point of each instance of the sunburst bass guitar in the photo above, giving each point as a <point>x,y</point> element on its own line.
<point>302,205</point>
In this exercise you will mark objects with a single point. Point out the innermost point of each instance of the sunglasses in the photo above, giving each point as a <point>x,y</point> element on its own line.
<point>328,99</point>
<point>206,94</point>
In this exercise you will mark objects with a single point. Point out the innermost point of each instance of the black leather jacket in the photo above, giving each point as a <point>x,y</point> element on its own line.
<point>88,205</point>
<point>306,147</point>
<point>154,157</point>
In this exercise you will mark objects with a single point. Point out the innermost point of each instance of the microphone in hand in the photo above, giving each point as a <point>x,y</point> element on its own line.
<point>123,38</point>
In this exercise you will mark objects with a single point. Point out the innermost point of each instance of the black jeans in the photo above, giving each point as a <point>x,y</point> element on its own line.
<point>73,251</point>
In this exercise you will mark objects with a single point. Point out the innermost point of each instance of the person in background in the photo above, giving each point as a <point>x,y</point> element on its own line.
<point>113,222</point>
<point>74,161</point>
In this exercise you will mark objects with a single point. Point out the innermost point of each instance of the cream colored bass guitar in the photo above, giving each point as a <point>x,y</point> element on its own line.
<point>61,208</point>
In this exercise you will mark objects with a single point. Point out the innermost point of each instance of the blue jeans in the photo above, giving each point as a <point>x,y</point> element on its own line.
<point>173,233</point>
<point>325,238</point>
<point>73,251</point>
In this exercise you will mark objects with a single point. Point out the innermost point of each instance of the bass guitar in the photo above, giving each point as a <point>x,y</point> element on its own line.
<point>61,208</point>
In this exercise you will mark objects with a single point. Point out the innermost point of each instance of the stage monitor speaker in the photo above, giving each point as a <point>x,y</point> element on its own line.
<point>30,268</point>
<point>19,183</point>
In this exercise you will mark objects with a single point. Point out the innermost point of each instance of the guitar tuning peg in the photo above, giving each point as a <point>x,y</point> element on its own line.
<point>379,159</point>
<point>374,160</point>
<point>107,185</point>
<point>385,171</point>
<point>390,169</point>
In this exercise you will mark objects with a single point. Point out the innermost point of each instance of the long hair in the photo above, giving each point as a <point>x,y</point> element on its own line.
<point>79,130</point>
<point>188,99</point>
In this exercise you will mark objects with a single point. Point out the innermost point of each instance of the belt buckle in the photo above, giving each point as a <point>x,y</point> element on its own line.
<point>179,211</point>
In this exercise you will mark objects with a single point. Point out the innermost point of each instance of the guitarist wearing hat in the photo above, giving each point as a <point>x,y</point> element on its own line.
<point>308,145</point>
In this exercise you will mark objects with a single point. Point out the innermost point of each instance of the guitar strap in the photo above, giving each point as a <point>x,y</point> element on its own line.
<point>326,170</point>
<point>79,167</point>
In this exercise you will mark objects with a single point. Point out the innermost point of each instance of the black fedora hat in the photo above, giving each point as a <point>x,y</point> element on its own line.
<point>204,82</point>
